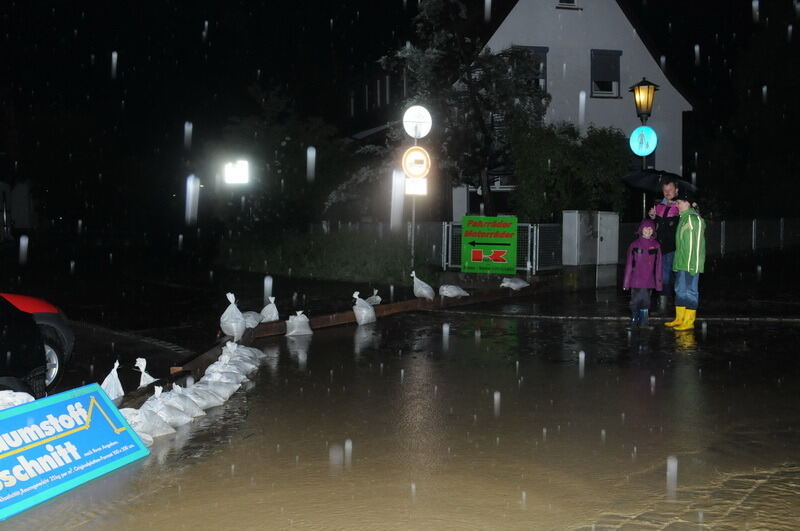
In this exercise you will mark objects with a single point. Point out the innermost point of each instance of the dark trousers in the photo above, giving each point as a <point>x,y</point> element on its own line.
<point>640,299</point>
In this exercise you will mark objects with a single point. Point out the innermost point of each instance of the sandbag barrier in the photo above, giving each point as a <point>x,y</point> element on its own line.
<point>197,366</point>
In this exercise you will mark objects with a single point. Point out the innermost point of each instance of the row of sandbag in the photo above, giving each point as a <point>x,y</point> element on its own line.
<point>165,411</point>
<point>233,322</point>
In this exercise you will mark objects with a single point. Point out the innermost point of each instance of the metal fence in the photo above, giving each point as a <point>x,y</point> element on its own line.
<point>539,245</point>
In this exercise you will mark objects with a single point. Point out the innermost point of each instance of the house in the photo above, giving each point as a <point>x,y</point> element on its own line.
<point>590,54</point>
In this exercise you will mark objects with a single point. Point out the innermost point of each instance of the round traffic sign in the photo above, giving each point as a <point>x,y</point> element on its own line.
<point>416,162</point>
<point>643,141</point>
<point>417,121</point>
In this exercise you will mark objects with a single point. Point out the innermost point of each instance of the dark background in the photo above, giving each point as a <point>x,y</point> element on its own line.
<point>110,151</point>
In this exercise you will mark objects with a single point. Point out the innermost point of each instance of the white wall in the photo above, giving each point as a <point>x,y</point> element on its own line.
<point>570,35</point>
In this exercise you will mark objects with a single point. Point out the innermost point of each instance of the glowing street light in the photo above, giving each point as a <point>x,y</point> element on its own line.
<point>643,94</point>
<point>237,172</point>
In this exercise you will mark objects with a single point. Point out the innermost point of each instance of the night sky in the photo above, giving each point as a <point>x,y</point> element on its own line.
<point>78,133</point>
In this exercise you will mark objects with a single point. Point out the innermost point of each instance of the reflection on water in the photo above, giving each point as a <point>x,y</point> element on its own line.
<point>530,424</point>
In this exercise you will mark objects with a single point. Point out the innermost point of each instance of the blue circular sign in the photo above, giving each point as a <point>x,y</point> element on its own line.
<point>643,141</point>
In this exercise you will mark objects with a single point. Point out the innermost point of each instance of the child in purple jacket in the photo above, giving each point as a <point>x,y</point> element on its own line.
<point>643,271</point>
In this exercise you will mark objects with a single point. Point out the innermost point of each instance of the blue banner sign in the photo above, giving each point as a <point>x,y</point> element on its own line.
<point>643,141</point>
<point>52,445</point>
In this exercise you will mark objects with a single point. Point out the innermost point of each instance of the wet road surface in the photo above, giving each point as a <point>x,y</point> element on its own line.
<point>494,424</point>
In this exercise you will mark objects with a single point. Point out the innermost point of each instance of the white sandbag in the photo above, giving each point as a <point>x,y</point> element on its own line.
<point>13,398</point>
<point>450,290</point>
<point>134,419</point>
<point>251,319</point>
<point>421,289</point>
<point>182,402</point>
<point>225,376</point>
<point>145,379</point>
<point>241,364</point>
<point>270,311</point>
<point>204,398</point>
<point>146,422</point>
<point>232,321</point>
<point>297,325</point>
<point>111,384</point>
<point>374,299</point>
<point>514,283</point>
<point>250,353</point>
<point>224,390</point>
<point>364,311</point>
<point>168,413</point>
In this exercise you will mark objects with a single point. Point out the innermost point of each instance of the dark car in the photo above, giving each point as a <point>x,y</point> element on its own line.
<point>35,344</point>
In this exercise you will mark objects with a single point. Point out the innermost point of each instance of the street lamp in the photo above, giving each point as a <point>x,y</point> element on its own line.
<point>643,95</point>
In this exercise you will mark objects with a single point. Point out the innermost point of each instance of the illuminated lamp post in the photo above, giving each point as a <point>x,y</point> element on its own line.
<point>644,93</point>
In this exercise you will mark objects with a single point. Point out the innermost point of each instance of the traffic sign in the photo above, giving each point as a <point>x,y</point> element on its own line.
<point>416,162</point>
<point>643,141</point>
<point>489,244</point>
<point>417,121</point>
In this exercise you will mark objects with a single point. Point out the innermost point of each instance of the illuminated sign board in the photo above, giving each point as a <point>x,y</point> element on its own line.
<point>489,244</point>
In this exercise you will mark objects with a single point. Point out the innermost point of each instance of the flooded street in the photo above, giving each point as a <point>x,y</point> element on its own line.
<point>447,420</point>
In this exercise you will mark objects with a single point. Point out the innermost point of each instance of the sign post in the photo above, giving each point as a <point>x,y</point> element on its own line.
<point>416,166</point>
<point>55,444</point>
<point>489,244</point>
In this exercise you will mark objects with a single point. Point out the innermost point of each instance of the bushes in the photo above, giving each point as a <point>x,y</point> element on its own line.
<point>346,255</point>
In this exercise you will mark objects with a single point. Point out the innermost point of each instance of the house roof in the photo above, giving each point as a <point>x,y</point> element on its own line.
<point>502,8</point>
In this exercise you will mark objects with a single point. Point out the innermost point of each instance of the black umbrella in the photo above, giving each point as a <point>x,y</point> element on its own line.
<point>651,180</point>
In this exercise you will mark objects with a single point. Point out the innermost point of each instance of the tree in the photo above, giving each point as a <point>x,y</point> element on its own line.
<point>557,168</point>
<point>477,98</point>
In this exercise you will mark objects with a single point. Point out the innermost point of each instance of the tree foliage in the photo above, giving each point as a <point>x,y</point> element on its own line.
<point>557,168</point>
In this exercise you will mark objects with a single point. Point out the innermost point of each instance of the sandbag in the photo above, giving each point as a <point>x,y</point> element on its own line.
<point>232,321</point>
<point>270,311</point>
<point>145,379</point>
<point>514,283</point>
<point>421,289</point>
<point>364,311</point>
<point>241,364</point>
<point>251,319</point>
<point>182,402</point>
<point>168,413</point>
<point>298,325</point>
<point>146,422</point>
<point>13,398</point>
<point>225,376</point>
<point>251,353</point>
<point>111,384</point>
<point>222,389</point>
<point>204,398</point>
<point>374,299</point>
<point>451,290</point>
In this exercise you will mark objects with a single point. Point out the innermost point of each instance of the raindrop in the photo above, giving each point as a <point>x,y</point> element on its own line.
<point>113,65</point>
<point>789,29</point>
<point>72,267</point>
<point>544,434</point>
<point>755,11</point>
<point>696,55</point>
<point>581,363</point>
<point>487,10</point>
<point>446,336</point>
<point>497,404</point>
<point>267,288</point>
<point>23,250</point>
<point>187,135</point>
<point>672,476</point>
<point>413,492</point>
<point>192,199</point>
<point>335,458</point>
<point>603,435</point>
<point>524,499</point>
<point>477,335</point>
<point>348,453</point>
<point>581,108</point>
<point>180,242</point>
<point>402,375</point>
<point>80,226</point>
<point>391,293</point>
<point>764,94</point>
<point>652,385</point>
<point>311,163</point>
<point>622,417</point>
<point>663,61</point>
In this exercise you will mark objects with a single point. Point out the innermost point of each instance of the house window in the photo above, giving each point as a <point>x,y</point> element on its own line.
<point>569,4</point>
<point>539,57</point>
<point>605,73</point>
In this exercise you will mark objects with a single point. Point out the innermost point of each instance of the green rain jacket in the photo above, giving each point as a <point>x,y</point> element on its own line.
<point>690,242</point>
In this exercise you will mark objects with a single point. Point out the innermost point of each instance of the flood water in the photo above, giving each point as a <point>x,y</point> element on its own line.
<point>497,424</point>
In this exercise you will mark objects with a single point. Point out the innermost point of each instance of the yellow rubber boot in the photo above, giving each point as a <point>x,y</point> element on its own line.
<point>688,320</point>
<point>679,311</point>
